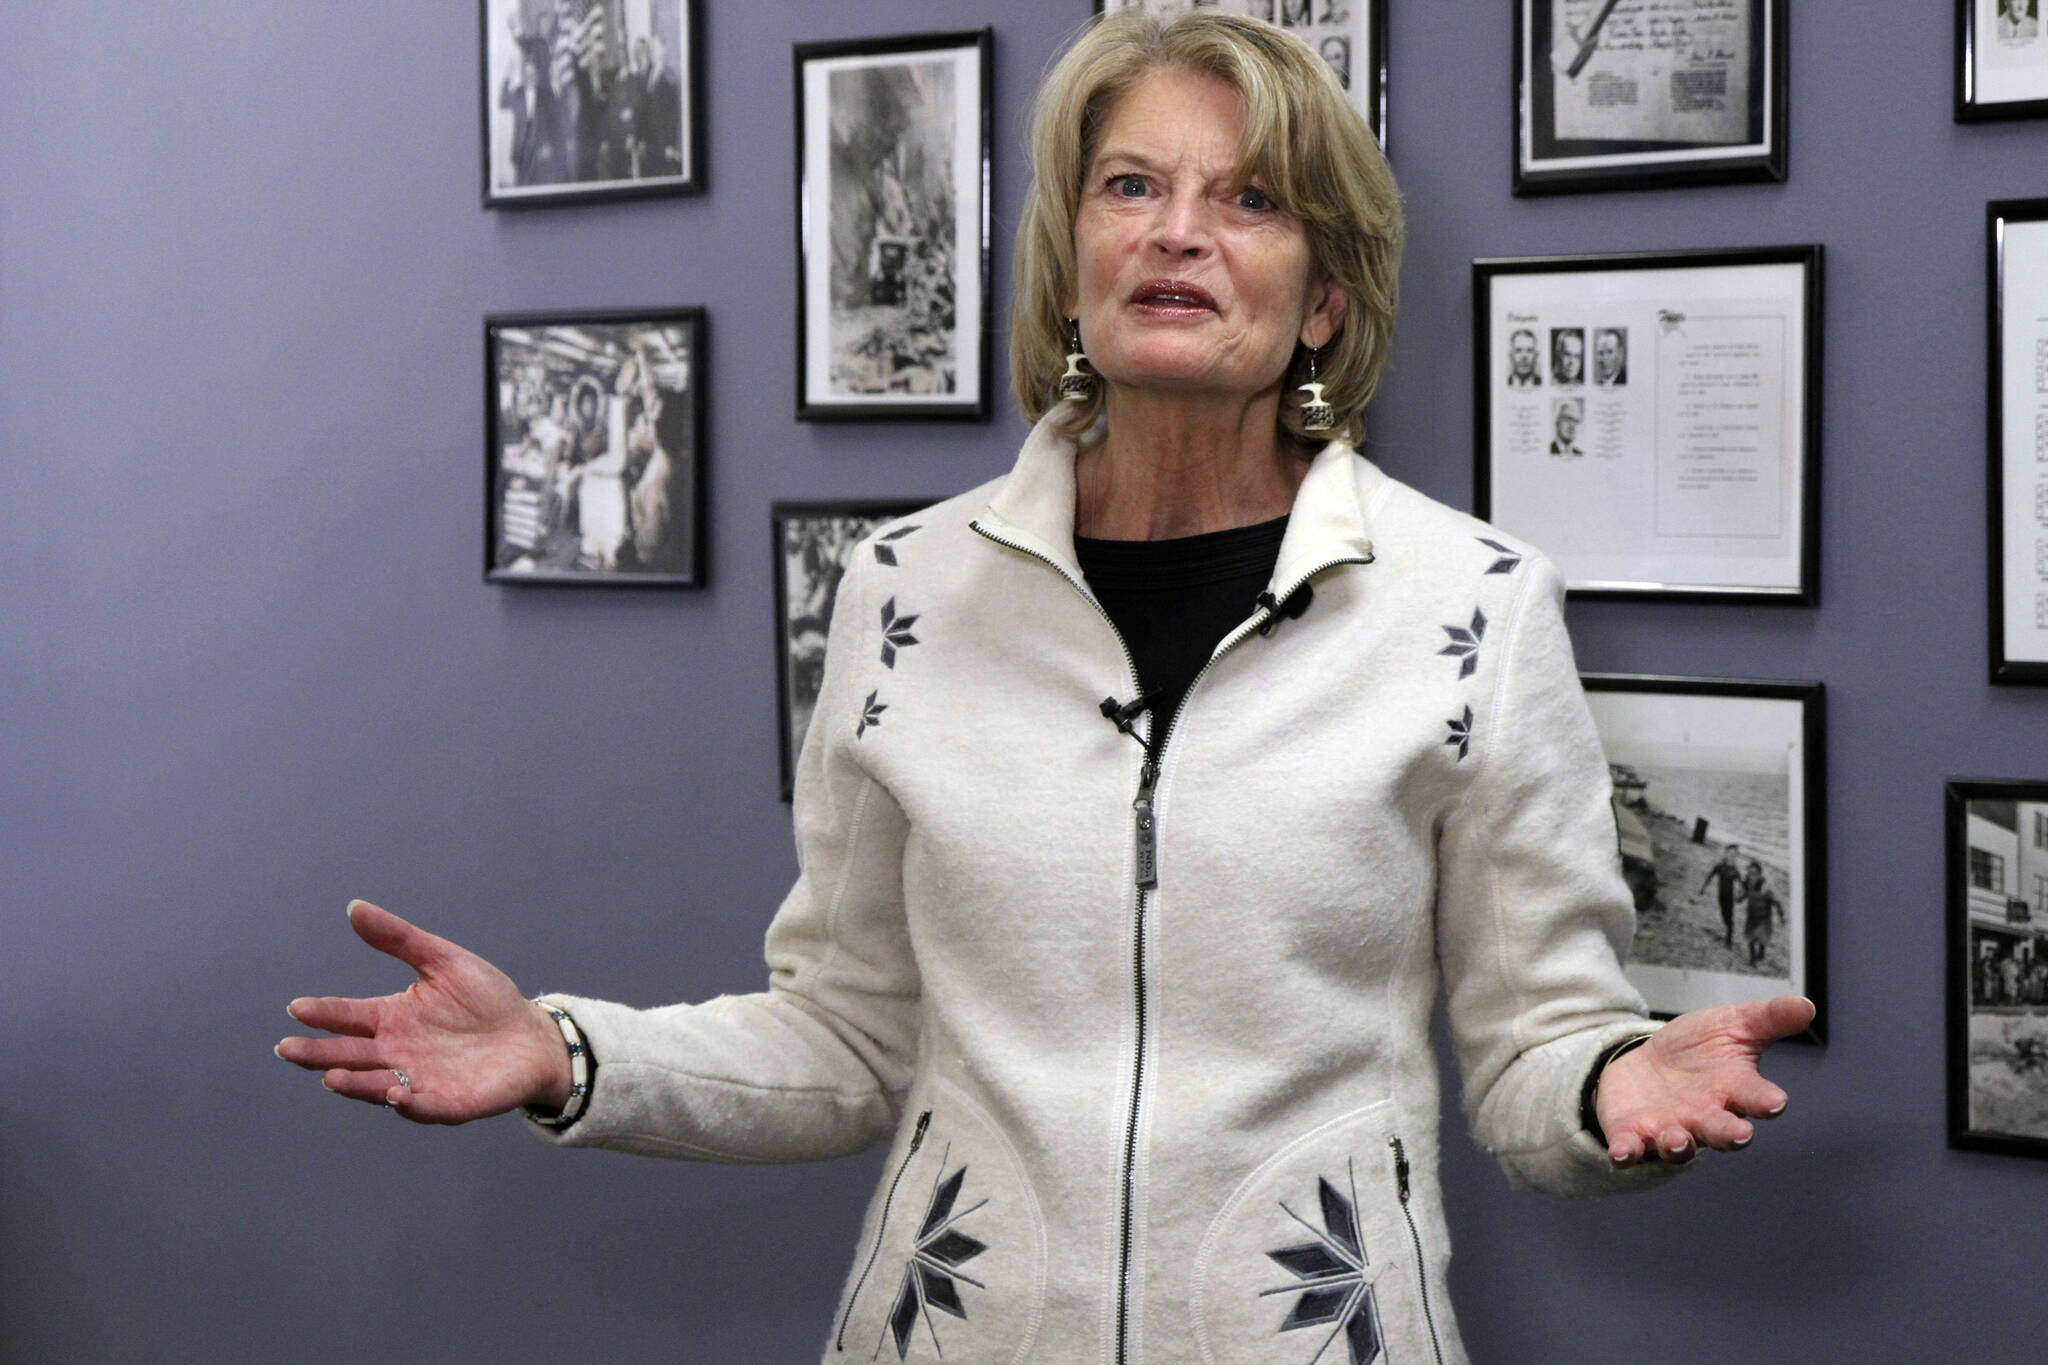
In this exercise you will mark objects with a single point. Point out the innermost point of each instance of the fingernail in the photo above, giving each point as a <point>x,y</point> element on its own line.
<point>279,1052</point>
<point>353,904</point>
<point>1740,1143</point>
<point>292,1010</point>
<point>1773,1113</point>
<point>323,1082</point>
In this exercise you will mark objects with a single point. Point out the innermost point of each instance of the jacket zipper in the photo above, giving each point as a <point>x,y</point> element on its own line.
<point>1146,829</point>
<point>1421,1275</point>
<point>924,1121</point>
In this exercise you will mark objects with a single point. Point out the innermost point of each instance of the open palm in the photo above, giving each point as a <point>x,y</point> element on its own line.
<point>1696,1082</point>
<point>470,1044</point>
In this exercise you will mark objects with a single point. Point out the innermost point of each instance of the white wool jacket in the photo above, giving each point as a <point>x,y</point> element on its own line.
<point>1151,1043</point>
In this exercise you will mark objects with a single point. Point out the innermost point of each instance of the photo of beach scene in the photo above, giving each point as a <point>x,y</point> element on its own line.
<point>1709,819</point>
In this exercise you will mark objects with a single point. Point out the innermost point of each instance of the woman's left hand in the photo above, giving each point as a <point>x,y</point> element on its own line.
<point>1696,1082</point>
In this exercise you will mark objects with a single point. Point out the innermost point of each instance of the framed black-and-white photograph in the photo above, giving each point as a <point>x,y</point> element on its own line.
<point>892,227</point>
<point>2001,60</point>
<point>1652,421</point>
<point>2017,256</point>
<point>1642,94</point>
<point>594,448</point>
<point>589,99</point>
<point>1719,792</point>
<point>1351,35</point>
<point>813,543</point>
<point>1998,965</point>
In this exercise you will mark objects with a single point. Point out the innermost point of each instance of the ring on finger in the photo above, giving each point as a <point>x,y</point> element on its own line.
<point>403,1078</point>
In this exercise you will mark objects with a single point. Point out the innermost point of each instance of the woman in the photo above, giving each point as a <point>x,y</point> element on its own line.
<point>1123,913</point>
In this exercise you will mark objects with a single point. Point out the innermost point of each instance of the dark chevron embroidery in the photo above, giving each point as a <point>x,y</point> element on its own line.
<point>1333,1277</point>
<point>895,632</point>
<point>885,552</point>
<point>1461,734</point>
<point>1464,644</point>
<point>1509,560</point>
<point>935,1260</point>
<point>871,714</point>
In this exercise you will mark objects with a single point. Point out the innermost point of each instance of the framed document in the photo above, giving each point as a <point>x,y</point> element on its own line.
<point>1639,94</point>
<point>2018,427</point>
<point>594,448</point>
<point>589,99</point>
<point>892,228</point>
<point>2001,60</point>
<point>1998,966</point>
<point>1351,35</point>
<point>814,542</point>
<point>1719,809</point>
<point>1653,421</point>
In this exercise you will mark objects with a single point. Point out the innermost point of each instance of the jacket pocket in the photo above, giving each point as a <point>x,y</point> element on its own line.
<point>1318,1255</point>
<point>951,1262</point>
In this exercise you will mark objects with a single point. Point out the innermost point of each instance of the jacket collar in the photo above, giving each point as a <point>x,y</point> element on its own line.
<point>1034,508</point>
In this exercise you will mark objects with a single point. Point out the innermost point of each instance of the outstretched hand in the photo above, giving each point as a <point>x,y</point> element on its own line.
<point>1695,1082</point>
<point>469,1043</point>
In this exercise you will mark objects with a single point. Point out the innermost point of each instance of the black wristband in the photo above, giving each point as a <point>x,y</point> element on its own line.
<point>1588,1118</point>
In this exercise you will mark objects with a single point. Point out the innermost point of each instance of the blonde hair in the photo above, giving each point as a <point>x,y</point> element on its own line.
<point>1303,144</point>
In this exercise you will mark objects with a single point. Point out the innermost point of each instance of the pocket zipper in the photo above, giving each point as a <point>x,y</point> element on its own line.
<point>1421,1275</point>
<point>924,1121</point>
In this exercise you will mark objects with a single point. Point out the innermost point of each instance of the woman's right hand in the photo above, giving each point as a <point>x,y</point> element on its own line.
<point>470,1044</point>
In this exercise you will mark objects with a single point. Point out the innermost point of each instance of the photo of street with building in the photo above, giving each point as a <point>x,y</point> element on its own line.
<point>2003,899</point>
<point>1710,817</point>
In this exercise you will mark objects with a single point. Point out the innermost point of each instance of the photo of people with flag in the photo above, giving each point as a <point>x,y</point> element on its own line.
<point>587,99</point>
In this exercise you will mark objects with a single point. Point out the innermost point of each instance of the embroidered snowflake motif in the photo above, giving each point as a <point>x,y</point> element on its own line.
<point>871,713</point>
<point>885,551</point>
<point>1464,644</point>
<point>1509,560</point>
<point>1461,734</point>
<point>1333,1277</point>
<point>895,632</point>
<point>934,1266</point>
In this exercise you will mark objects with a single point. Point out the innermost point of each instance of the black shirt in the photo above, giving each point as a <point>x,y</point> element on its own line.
<point>1174,600</point>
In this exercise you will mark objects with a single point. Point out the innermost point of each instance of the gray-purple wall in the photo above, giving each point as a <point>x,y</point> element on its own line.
<point>248,670</point>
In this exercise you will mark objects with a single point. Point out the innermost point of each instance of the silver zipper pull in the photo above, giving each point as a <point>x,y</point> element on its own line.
<point>1400,1167</point>
<point>924,1121</point>
<point>1148,828</point>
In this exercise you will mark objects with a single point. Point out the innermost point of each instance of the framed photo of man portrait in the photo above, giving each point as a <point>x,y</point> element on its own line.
<point>893,227</point>
<point>2001,60</point>
<point>1351,35</point>
<point>1719,811</point>
<point>2016,238</point>
<point>1652,420</point>
<point>1997,837</point>
<point>814,544</point>
<point>594,448</point>
<point>1642,94</point>
<point>589,99</point>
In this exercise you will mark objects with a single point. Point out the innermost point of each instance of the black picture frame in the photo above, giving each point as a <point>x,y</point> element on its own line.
<point>1546,163</point>
<point>1997,1016</point>
<point>901,370</point>
<point>1354,23</point>
<point>822,555</point>
<point>525,165</point>
<point>1667,742</point>
<point>1673,276</point>
<point>2019,96</point>
<point>542,523</point>
<point>2009,502</point>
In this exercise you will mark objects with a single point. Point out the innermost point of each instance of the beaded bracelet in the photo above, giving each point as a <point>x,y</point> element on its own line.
<point>580,1066</point>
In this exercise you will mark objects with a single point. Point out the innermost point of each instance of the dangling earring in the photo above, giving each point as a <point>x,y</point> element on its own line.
<point>1317,415</point>
<point>1076,385</point>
